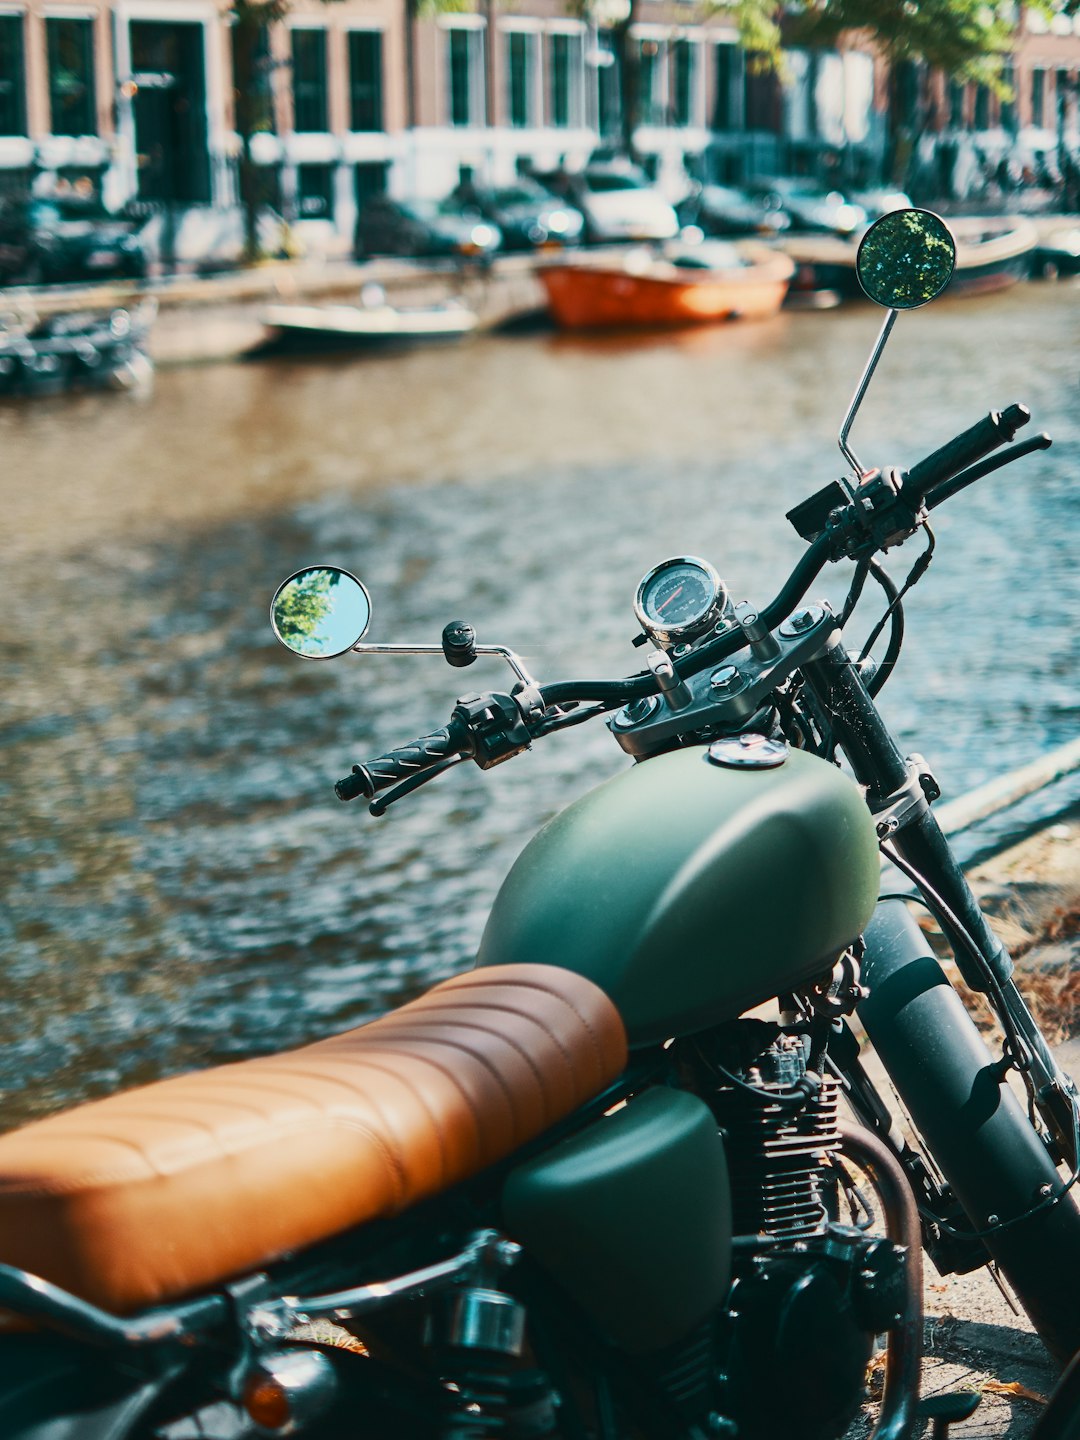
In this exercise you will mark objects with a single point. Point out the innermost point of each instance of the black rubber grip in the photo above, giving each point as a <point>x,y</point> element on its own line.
<point>990,432</point>
<point>399,764</point>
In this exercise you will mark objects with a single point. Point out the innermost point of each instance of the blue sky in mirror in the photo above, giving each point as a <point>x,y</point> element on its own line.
<point>349,616</point>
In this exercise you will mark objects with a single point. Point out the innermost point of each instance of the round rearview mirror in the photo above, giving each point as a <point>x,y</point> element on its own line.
<point>320,612</point>
<point>906,259</point>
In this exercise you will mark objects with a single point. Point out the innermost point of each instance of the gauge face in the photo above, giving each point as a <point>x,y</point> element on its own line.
<point>680,598</point>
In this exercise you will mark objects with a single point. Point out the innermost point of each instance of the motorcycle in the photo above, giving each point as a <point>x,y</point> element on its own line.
<point>631,1175</point>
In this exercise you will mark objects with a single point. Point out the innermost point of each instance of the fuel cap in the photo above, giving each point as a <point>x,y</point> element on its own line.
<point>748,752</point>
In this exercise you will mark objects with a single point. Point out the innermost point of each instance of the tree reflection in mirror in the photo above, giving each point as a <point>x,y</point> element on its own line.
<point>906,259</point>
<point>320,612</point>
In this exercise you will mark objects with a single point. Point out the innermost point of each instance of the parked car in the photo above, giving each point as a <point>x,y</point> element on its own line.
<point>618,201</point>
<point>808,205</point>
<point>424,227</point>
<point>528,215</point>
<point>64,238</point>
<point>726,210</point>
<point>880,202</point>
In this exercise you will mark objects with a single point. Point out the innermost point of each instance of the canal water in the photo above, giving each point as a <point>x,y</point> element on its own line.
<point>179,884</point>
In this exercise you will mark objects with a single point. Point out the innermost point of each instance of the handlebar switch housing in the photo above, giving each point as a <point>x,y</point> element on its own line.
<point>495,725</point>
<point>878,516</point>
<point>810,518</point>
<point>881,515</point>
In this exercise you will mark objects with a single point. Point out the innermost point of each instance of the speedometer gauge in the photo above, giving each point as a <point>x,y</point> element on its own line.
<point>679,599</point>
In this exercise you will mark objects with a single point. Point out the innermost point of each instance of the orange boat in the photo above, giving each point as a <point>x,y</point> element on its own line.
<point>691,285</point>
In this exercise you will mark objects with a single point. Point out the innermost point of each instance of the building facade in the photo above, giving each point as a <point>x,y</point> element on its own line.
<point>137,98</point>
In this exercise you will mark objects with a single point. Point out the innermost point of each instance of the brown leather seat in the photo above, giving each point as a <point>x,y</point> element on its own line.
<point>153,1194</point>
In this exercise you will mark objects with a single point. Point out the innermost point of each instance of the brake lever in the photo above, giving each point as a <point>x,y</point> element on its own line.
<point>382,803</point>
<point>948,488</point>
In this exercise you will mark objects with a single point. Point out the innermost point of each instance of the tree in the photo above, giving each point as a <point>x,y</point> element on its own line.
<point>965,38</point>
<point>759,33</point>
<point>252,100</point>
<point>302,607</point>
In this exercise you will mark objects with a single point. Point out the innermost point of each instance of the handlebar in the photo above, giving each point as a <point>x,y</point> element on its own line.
<point>493,728</point>
<point>960,452</point>
<point>405,760</point>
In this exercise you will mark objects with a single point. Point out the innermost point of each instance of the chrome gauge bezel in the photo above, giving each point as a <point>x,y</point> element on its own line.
<point>669,635</point>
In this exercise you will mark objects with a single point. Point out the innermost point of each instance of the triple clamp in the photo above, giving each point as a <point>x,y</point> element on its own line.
<point>906,804</point>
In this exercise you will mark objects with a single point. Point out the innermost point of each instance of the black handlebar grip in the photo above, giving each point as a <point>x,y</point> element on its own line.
<point>423,754</point>
<point>964,450</point>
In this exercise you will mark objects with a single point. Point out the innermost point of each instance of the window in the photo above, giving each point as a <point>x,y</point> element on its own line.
<point>12,76</point>
<point>729,106</point>
<point>908,86</point>
<point>982,107</point>
<point>365,80</point>
<point>956,104</point>
<point>309,80</point>
<point>521,68</point>
<point>1038,97</point>
<point>651,82</point>
<point>465,55</point>
<point>369,181</point>
<point>608,105</point>
<point>684,55</point>
<point>1062,84</point>
<point>315,191</point>
<point>71,76</point>
<point>1008,107</point>
<point>567,64</point>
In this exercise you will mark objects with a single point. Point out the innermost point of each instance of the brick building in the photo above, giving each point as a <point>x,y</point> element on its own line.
<point>138,95</point>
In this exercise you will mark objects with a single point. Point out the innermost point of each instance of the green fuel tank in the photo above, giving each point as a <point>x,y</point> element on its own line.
<point>690,891</point>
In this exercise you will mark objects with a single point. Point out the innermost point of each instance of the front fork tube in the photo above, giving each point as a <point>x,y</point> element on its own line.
<point>839,690</point>
<point>996,1165</point>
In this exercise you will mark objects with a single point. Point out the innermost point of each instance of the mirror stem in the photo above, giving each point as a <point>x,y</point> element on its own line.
<point>517,665</point>
<point>857,399</point>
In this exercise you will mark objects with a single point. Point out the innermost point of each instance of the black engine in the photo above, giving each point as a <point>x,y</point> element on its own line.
<point>813,1285</point>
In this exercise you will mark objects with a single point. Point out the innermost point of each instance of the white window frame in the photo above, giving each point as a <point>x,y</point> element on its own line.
<point>535,70</point>
<point>577,86</point>
<point>660,98</point>
<point>367,27</point>
<point>477,64</point>
<point>696,39</point>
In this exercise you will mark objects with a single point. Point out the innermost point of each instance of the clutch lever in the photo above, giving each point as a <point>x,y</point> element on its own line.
<point>948,488</point>
<point>382,803</point>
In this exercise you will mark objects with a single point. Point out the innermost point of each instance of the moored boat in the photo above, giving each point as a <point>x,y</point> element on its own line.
<point>688,285</point>
<point>1058,253</point>
<point>76,351</point>
<point>992,252</point>
<point>372,323</point>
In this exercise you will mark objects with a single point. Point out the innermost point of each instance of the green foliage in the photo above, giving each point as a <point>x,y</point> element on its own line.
<point>302,607</point>
<point>965,38</point>
<point>422,8</point>
<point>906,259</point>
<point>758,23</point>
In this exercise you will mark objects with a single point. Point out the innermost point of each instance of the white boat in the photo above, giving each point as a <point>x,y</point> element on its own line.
<point>992,252</point>
<point>374,322</point>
